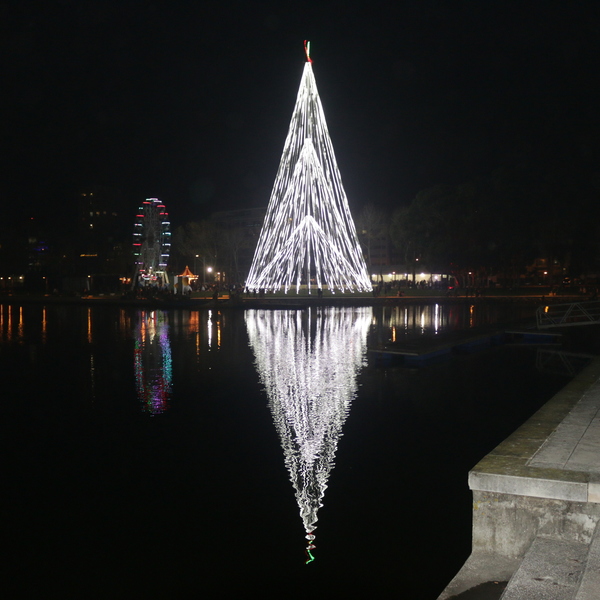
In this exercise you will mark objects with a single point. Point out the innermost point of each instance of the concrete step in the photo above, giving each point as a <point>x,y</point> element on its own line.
<point>480,569</point>
<point>551,570</point>
<point>590,581</point>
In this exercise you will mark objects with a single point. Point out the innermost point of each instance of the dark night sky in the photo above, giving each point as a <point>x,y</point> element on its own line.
<point>191,101</point>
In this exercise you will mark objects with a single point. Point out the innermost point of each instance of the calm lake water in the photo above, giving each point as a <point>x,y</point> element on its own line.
<point>173,454</point>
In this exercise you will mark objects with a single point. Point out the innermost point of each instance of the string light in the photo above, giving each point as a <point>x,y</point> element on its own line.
<point>308,233</point>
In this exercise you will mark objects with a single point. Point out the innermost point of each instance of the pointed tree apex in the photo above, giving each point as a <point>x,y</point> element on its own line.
<point>307,50</point>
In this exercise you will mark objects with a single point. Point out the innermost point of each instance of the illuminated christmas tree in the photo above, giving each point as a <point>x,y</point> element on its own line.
<point>308,236</point>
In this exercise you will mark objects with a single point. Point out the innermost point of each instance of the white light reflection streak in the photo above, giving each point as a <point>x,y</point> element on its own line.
<point>308,362</point>
<point>209,329</point>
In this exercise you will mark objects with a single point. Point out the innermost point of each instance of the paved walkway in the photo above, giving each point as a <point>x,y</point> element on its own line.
<point>575,444</point>
<point>537,504</point>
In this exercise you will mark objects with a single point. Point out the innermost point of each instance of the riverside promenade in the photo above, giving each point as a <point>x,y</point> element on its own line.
<point>536,505</point>
<point>531,295</point>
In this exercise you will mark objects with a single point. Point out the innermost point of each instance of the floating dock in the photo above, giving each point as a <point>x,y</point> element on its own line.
<point>423,350</point>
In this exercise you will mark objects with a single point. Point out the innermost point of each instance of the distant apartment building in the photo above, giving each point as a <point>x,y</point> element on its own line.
<point>103,238</point>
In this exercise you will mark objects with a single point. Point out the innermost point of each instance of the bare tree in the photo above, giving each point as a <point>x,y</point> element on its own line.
<point>232,241</point>
<point>371,225</point>
<point>197,239</point>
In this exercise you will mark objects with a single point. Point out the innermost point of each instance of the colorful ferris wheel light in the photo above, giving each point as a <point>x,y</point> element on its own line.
<point>151,232</point>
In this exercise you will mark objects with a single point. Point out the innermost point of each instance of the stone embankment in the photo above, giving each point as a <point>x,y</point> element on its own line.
<point>536,504</point>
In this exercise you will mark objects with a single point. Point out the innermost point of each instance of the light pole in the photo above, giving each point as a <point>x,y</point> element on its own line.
<point>196,257</point>
<point>204,270</point>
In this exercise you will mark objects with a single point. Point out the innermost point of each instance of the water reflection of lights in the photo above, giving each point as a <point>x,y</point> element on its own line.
<point>152,362</point>
<point>308,362</point>
<point>89,325</point>
<point>7,323</point>
<point>216,323</point>
<point>189,321</point>
<point>124,320</point>
<point>92,377</point>
<point>421,318</point>
<point>4,317</point>
<point>194,330</point>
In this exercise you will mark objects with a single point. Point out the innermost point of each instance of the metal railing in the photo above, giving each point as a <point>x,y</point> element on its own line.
<point>559,362</point>
<point>567,315</point>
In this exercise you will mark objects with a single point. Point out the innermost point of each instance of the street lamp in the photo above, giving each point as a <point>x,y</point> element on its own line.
<point>204,269</point>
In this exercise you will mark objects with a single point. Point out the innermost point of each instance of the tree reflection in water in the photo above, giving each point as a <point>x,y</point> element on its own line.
<point>308,361</point>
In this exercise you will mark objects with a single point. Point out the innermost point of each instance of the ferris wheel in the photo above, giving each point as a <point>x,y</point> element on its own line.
<point>151,242</point>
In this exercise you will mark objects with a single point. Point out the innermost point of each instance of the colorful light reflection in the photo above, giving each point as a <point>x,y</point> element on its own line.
<point>152,362</point>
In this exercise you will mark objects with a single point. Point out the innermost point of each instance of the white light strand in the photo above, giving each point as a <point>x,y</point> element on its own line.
<point>308,228</point>
<point>308,362</point>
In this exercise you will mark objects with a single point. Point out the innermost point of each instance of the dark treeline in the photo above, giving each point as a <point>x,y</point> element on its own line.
<point>545,208</point>
<point>205,244</point>
<point>543,204</point>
